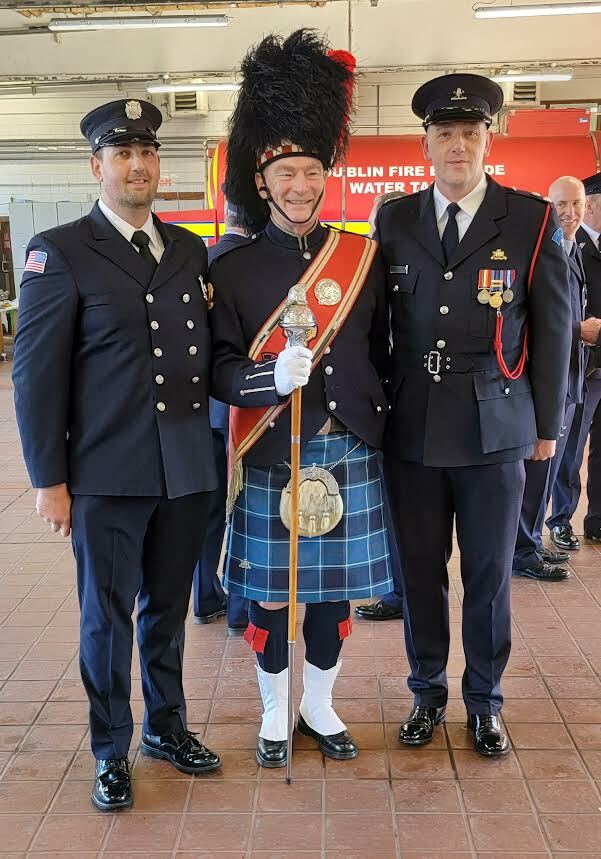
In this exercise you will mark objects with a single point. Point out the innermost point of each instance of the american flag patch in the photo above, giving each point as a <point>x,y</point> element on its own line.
<point>36,261</point>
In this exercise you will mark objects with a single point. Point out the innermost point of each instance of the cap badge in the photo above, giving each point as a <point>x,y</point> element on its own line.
<point>499,254</point>
<point>458,95</point>
<point>133,109</point>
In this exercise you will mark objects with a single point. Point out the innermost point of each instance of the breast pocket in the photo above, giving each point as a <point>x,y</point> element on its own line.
<point>402,283</point>
<point>482,317</point>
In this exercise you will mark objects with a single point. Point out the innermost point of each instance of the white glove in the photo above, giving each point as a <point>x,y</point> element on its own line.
<point>292,369</point>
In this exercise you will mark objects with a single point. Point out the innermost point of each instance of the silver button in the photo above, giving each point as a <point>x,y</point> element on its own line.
<point>448,275</point>
<point>378,408</point>
<point>185,298</point>
<point>158,352</point>
<point>329,370</point>
<point>306,255</point>
<point>195,380</point>
<point>395,288</point>
<point>440,344</point>
<point>161,407</point>
<point>190,324</point>
<point>159,379</point>
<point>149,298</point>
<point>444,310</point>
<point>154,325</point>
<point>332,405</point>
<point>272,424</point>
<point>506,391</point>
<point>327,350</point>
<point>195,405</point>
<point>192,350</point>
<point>436,378</point>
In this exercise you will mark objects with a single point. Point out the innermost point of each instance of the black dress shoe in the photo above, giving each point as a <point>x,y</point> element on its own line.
<point>182,750</point>
<point>339,747</point>
<point>554,557</point>
<point>564,538</point>
<point>209,618</point>
<point>489,738</point>
<point>594,534</point>
<point>112,789</point>
<point>543,571</point>
<point>379,611</point>
<point>418,730</point>
<point>272,754</point>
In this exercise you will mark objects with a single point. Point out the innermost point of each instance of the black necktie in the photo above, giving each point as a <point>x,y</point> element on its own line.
<point>450,237</point>
<point>142,240</point>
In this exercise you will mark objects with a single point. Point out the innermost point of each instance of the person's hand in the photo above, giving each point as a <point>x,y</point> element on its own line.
<point>590,330</point>
<point>292,369</point>
<point>543,449</point>
<point>54,506</point>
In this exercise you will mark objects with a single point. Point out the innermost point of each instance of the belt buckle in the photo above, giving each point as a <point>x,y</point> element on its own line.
<point>433,362</point>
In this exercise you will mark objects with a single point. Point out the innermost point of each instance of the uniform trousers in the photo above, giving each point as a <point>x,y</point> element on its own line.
<point>540,479</point>
<point>128,547</point>
<point>208,593</point>
<point>484,501</point>
<point>566,491</point>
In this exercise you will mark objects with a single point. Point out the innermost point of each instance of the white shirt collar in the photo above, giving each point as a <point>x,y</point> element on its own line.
<point>468,204</point>
<point>592,233</point>
<point>568,244</point>
<point>127,230</point>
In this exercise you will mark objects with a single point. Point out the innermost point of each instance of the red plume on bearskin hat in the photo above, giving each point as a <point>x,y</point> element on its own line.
<point>295,99</point>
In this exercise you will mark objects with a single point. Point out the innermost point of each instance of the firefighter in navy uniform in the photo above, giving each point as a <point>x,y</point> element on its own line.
<point>467,407</point>
<point>111,392</point>
<point>290,125</point>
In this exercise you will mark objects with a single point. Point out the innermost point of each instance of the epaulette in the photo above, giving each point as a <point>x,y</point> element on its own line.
<point>531,194</point>
<point>228,249</point>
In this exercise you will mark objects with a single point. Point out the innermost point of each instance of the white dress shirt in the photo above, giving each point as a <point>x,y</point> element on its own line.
<point>593,234</point>
<point>468,206</point>
<point>156,243</point>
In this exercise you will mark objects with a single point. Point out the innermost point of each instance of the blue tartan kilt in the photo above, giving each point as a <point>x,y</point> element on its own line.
<point>350,562</point>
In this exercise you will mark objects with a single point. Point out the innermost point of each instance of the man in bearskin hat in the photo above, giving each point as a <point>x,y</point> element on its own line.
<point>290,126</point>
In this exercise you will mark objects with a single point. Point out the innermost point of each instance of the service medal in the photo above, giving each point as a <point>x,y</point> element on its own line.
<point>508,296</point>
<point>328,292</point>
<point>496,300</point>
<point>483,296</point>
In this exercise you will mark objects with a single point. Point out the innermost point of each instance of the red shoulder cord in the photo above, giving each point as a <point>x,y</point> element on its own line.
<point>498,344</point>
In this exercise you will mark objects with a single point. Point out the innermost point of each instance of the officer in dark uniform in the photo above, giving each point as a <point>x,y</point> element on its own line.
<point>587,419</point>
<point>111,379</point>
<point>531,558</point>
<point>210,601</point>
<point>466,405</point>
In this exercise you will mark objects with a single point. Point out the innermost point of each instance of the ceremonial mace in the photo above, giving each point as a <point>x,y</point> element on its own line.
<point>299,326</point>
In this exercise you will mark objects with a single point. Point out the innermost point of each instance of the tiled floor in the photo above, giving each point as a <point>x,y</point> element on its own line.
<point>543,800</point>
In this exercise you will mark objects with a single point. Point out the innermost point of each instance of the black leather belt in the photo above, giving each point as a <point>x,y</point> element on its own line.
<point>435,362</point>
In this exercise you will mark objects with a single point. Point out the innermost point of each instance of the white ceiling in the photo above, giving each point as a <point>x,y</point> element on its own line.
<point>395,33</point>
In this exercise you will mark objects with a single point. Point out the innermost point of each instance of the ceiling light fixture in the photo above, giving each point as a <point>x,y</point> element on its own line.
<point>139,22</point>
<point>516,77</point>
<point>192,87</point>
<point>533,11</point>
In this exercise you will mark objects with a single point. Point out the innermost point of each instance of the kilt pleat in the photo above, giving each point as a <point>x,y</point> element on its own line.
<point>351,562</point>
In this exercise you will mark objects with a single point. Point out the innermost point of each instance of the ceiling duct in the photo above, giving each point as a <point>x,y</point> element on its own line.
<point>188,104</point>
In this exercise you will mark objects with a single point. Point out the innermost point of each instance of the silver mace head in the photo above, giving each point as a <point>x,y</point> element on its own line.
<point>297,320</point>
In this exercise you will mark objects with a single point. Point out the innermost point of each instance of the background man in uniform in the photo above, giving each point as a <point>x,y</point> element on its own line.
<point>531,559</point>
<point>111,373</point>
<point>587,419</point>
<point>210,602</point>
<point>463,417</point>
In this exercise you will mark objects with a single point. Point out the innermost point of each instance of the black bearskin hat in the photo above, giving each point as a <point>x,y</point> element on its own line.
<point>295,99</point>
